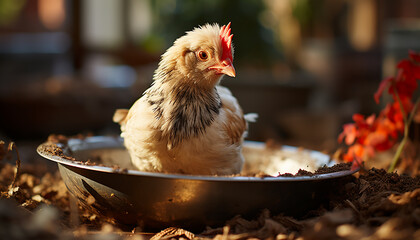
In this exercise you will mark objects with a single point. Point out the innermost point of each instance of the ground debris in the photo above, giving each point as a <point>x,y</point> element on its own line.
<point>5,152</point>
<point>372,205</point>
<point>173,233</point>
<point>55,149</point>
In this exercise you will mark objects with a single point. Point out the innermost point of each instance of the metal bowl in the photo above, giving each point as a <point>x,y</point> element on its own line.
<point>157,200</point>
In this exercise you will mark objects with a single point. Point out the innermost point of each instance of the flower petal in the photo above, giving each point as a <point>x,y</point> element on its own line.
<point>414,56</point>
<point>384,84</point>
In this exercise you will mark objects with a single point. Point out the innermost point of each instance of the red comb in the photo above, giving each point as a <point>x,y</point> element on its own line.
<point>226,39</point>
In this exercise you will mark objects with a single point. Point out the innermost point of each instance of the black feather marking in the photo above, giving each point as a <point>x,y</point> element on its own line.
<point>193,111</point>
<point>155,98</point>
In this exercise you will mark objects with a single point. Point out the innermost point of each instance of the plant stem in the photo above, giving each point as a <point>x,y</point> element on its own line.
<point>398,152</point>
<point>407,123</point>
<point>400,104</point>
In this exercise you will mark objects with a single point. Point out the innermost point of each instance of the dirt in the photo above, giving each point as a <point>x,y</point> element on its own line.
<point>56,145</point>
<point>372,205</point>
<point>334,168</point>
<point>53,149</point>
<point>322,170</point>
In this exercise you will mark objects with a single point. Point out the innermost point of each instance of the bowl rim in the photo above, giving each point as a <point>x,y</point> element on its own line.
<point>116,142</point>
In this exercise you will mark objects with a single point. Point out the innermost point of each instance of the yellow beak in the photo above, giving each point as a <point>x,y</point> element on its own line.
<point>225,67</point>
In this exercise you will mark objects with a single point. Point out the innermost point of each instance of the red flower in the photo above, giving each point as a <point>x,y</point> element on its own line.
<point>405,83</point>
<point>367,135</point>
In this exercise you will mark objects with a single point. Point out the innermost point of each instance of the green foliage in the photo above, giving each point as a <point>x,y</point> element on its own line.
<point>253,43</point>
<point>9,10</point>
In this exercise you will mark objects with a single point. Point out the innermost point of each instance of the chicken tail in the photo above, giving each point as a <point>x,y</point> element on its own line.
<point>120,116</point>
<point>251,117</point>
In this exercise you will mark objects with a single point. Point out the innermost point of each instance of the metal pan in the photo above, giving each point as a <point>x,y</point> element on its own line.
<point>157,200</point>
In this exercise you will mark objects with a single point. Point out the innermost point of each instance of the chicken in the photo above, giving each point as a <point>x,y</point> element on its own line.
<point>185,122</point>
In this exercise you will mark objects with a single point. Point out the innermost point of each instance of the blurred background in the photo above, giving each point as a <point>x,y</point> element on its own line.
<point>304,66</point>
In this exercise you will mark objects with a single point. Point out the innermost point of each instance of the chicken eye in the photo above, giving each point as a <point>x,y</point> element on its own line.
<point>203,56</point>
